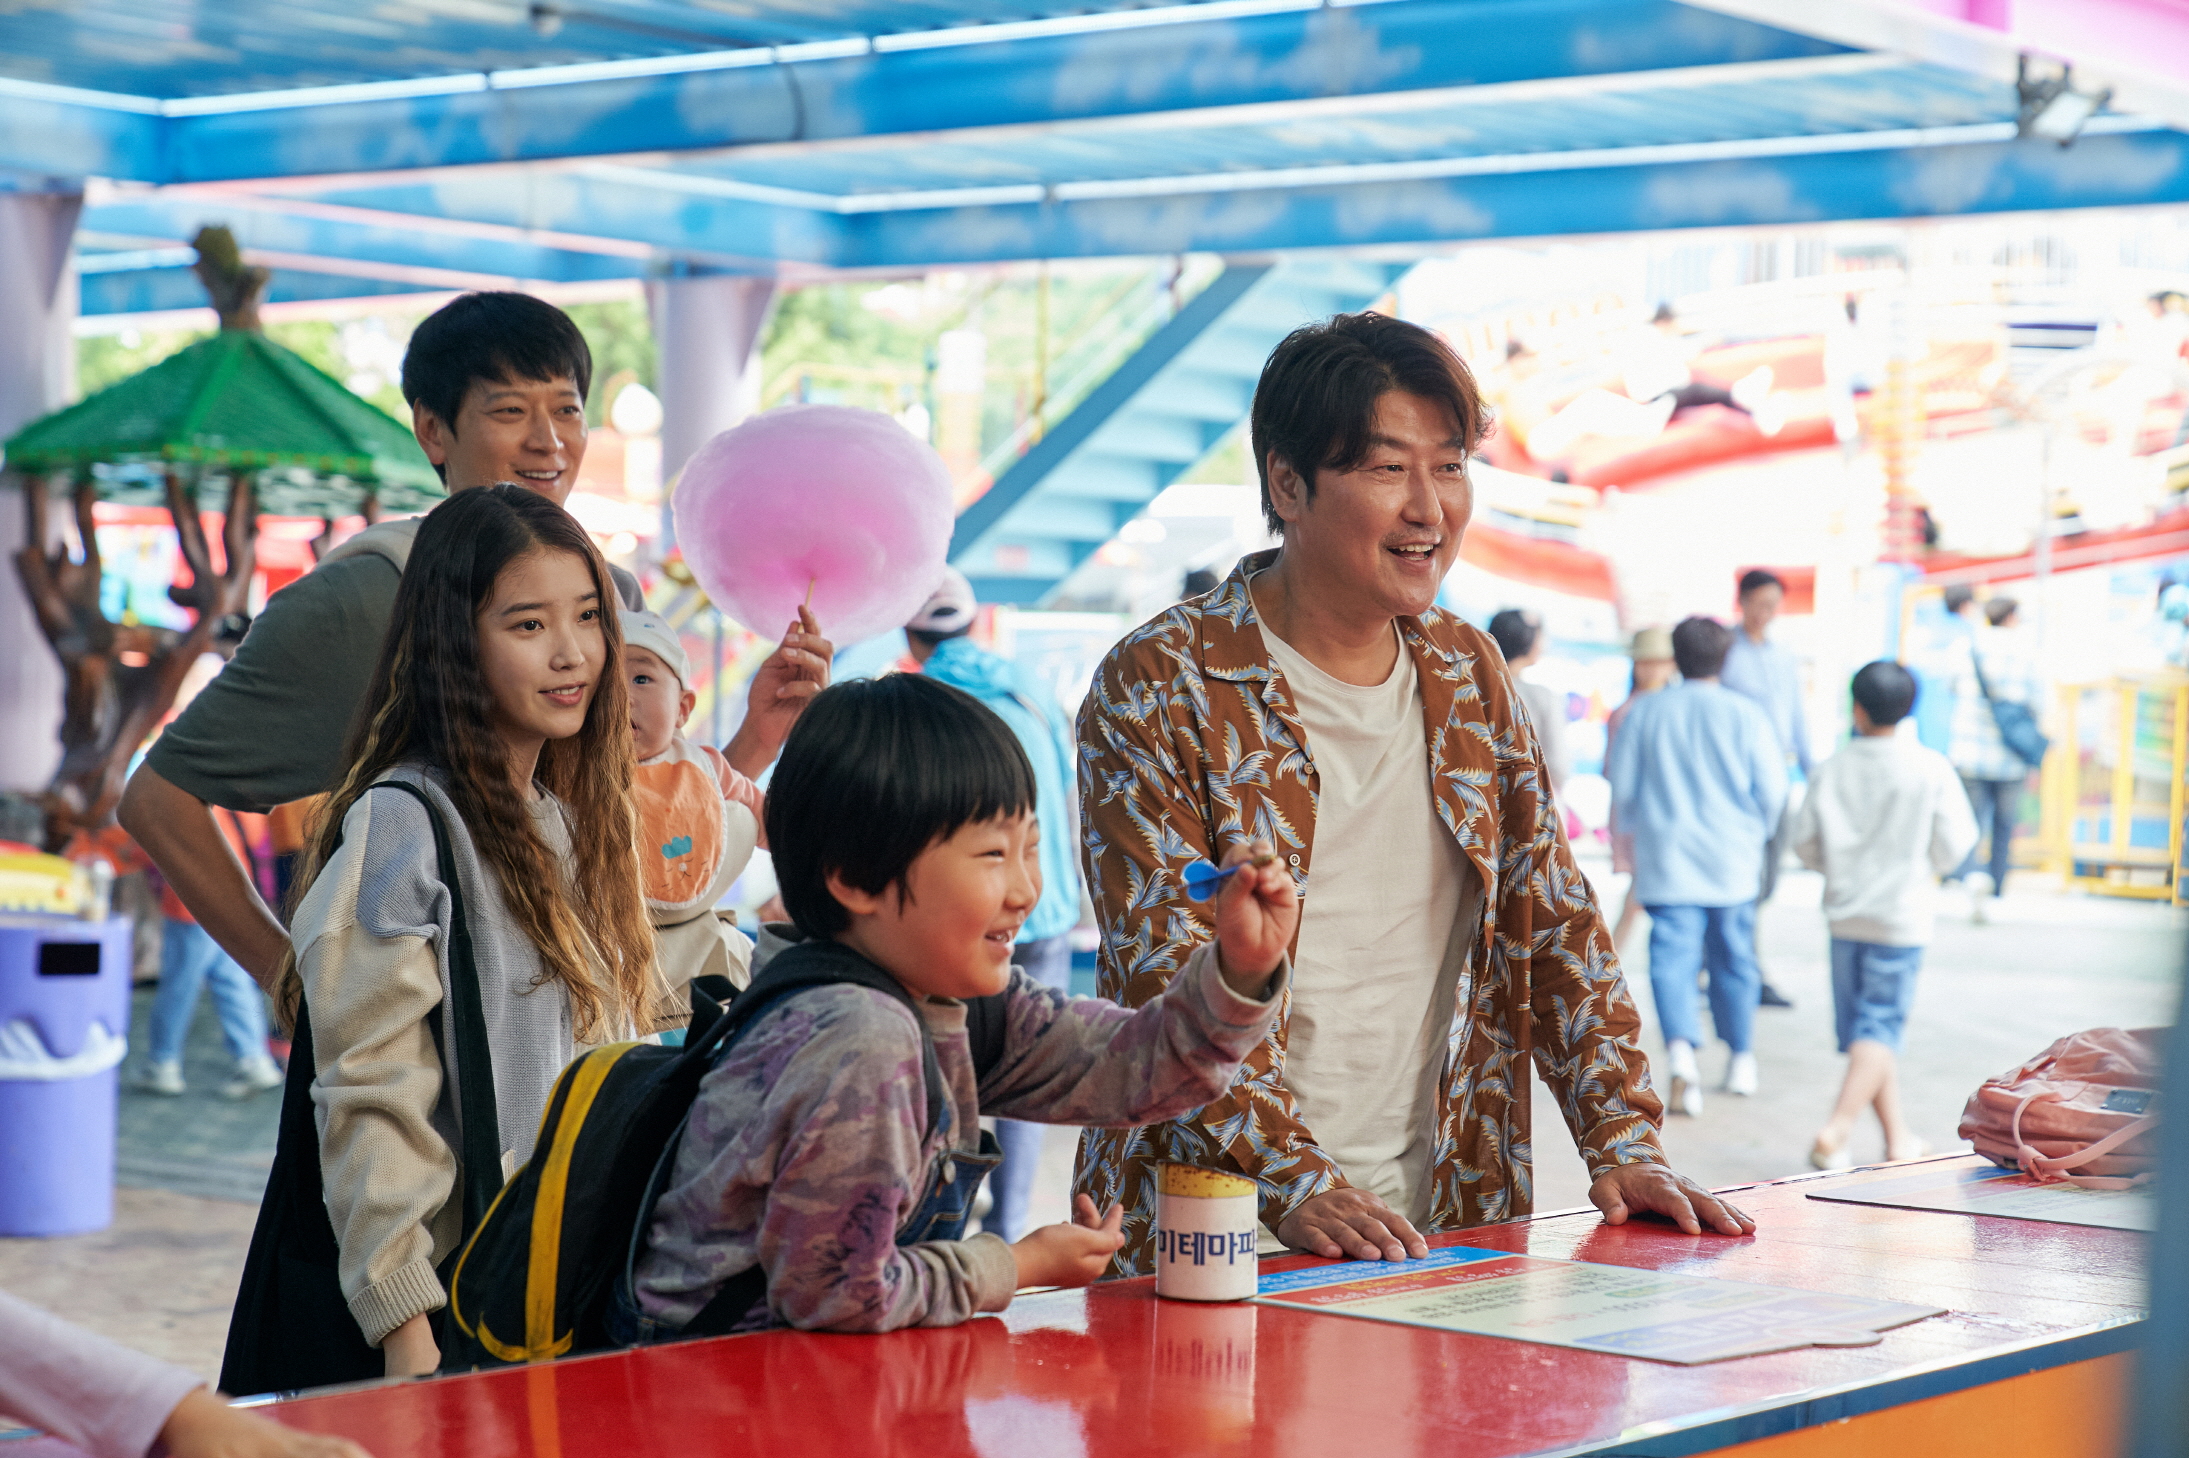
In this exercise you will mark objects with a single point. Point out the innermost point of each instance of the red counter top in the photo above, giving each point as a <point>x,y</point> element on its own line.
<point>1113,1371</point>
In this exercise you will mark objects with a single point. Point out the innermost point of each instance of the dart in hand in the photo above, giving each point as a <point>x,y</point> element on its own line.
<point>1203,880</point>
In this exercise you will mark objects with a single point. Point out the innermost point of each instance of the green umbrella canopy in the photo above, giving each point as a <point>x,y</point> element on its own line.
<point>235,402</point>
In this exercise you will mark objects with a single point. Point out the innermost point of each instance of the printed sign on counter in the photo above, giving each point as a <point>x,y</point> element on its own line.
<point>1979,1187</point>
<point>1597,1308</point>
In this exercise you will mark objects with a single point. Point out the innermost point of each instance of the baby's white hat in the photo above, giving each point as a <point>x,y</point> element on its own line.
<point>652,632</point>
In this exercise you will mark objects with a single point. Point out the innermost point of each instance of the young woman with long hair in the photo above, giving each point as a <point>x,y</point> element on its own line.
<point>499,699</point>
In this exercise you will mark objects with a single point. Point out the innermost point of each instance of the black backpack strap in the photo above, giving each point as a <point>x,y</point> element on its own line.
<point>482,1136</point>
<point>987,1030</point>
<point>728,1306</point>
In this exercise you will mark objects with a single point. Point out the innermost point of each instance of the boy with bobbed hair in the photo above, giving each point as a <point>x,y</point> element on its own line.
<point>903,829</point>
<point>1884,819</point>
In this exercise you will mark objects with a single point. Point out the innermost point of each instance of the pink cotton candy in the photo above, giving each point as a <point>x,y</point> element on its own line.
<point>846,500</point>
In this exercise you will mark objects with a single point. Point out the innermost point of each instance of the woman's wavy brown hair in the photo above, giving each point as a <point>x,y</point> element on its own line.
<point>429,703</point>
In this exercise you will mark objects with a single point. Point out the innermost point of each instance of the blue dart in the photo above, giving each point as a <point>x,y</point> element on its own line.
<point>1202,879</point>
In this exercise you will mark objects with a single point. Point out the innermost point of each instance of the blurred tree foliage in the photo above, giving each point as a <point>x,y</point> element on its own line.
<point>109,359</point>
<point>833,327</point>
<point>621,336</point>
<point>868,344</point>
<point>103,360</point>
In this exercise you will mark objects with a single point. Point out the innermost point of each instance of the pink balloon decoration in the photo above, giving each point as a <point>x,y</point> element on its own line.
<point>846,501</point>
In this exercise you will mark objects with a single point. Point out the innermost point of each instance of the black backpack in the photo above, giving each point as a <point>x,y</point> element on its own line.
<point>537,1279</point>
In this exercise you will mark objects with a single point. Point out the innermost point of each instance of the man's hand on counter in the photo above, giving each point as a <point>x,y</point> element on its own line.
<point>1638,1189</point>
<point>1350,1222</point>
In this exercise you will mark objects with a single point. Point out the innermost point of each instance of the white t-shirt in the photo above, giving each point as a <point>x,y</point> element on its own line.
<point>1883,820</point>
<point>1383,937</point>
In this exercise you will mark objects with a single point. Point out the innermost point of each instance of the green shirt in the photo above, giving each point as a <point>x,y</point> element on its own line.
<point>271,727</point>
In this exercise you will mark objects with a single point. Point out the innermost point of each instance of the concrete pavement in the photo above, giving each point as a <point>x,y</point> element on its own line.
<point>2049,963</point>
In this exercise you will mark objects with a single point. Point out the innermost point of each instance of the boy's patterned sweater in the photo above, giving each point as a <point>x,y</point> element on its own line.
<point>805,1153</point>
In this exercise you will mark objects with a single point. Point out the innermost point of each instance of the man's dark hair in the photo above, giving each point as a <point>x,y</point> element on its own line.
<point>1315,404</point>
<point>1515,633</point>
<point>1699,647</point>
<point>1756,577</point>
<point>1999,609</point>
<point>876,771</point>
<point>1885,690</point>
<point>1959,596</point>
<point>491,336</point>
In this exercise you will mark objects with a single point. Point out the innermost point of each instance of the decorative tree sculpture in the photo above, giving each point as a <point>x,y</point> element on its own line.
<point>236,287</point>
<point>236,408</point>
<point>122,679</point>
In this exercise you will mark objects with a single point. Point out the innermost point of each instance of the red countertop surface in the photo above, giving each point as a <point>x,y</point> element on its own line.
<point>1113,1370</point>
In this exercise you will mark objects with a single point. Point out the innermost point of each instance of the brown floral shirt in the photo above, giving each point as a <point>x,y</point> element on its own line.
<point>1189,743</point>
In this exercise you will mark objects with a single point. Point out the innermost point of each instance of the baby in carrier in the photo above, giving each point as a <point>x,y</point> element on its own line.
<point>699,819</point>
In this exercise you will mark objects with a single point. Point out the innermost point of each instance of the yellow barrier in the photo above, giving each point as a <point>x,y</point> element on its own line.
<point>2113,787</point>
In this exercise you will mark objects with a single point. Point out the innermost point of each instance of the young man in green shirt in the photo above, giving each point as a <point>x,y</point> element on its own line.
<point>496,384</point>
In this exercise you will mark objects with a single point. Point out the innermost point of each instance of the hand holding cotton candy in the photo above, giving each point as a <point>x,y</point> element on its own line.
<point>840,502</point>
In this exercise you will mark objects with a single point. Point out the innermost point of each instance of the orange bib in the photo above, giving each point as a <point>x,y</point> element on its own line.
<point>693,843</point>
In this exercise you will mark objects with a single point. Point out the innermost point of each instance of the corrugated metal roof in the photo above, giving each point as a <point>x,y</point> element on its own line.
<point>437,143</point>
<point>1836,95</point>
<point>191,48</point>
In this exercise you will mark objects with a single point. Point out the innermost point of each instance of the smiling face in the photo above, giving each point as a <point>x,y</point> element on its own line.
<point>531,432</point>
<point>947,932</point>
<point>542,648</point>
<point>660,703</point>
<point>1375,541</point>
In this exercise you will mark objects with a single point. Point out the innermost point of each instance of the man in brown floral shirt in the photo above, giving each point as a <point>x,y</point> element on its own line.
<point>1318,699</point>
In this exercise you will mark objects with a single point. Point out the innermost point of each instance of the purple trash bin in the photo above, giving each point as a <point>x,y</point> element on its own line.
<point>64,1025</point>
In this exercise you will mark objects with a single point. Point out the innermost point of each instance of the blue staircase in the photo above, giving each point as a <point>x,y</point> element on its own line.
<point>1161,411</point>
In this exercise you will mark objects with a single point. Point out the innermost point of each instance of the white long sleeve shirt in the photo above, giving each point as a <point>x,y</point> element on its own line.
<point>101,1397</point>
<point>1884,819</point>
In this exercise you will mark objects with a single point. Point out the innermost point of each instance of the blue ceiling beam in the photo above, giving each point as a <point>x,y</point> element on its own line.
<point>818,94</point>
<point>51,132</point>
<point>2106,170</point>
<point>416,248</point>
<point>159,290</point>
<point>2103,169</point>
<point>733,233</point>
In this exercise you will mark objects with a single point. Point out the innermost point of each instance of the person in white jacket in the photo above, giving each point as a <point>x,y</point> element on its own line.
<point>100,1398</point>
<point>1883,820</point>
